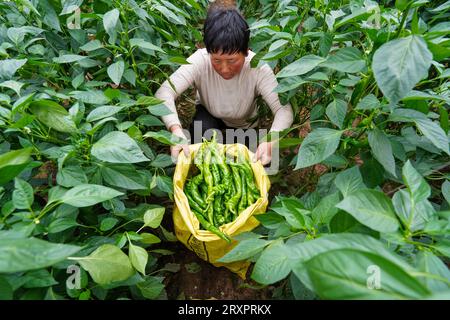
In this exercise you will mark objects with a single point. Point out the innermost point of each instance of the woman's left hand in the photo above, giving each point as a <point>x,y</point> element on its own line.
<point>264,153</point>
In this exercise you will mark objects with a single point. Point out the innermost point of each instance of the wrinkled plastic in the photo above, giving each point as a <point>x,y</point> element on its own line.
<point>206,244</point>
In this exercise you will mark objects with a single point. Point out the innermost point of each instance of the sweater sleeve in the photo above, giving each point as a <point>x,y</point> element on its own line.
<point>182,78</point>
<point>266,84</point>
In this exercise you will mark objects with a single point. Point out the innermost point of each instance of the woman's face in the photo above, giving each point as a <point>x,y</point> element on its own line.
<point>227,65</point>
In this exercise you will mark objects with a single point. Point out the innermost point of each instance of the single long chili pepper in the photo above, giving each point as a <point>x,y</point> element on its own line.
<point>207,171</point>
<point>196,181</point>
<point>208,226</point>
<point>204,190</point>
<point>193,204</point>
<point>243,201</point>
<point>198,160</point>
<point>250,198</point>
<point>210,213</point>
<point>218,216</point>
<point>232,203</point>
<point>192,189</point>
<point>215,173</point>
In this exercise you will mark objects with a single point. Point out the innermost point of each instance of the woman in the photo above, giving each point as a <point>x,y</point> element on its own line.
<point>226,84</point>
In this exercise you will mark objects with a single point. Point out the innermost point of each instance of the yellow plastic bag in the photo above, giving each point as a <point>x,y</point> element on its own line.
<point>206,244</point>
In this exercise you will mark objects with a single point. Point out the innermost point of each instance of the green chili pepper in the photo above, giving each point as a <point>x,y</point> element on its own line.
<point>192,189</point>
<point>208,226</point>
<point>207,175</point>
<point>243,201</point>
<point>215,174</point>
<point>198,160</point>
<point>210,213</point>
<point>193,204</point>
<point>232,203</point>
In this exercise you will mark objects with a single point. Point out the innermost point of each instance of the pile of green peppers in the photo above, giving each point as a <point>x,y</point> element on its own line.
<point>222,187</point>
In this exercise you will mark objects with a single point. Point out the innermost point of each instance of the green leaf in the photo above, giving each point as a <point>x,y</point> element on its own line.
<point>7,292</point>
<point>148,101</point>
<point>149,121</point>
<point>138,257</point>
<point>53,115</point>
<point>149,238</point>
<point>103,112</point>
<point>336,112</point>
<point>318,145</point>
<point>347,59</point>
<point>288,84</point>
<point>9,67</point>
<point>118,147</point>
<point>23,195</point>
<point>12,163</point>
<point>91,97</point>
<point>446,190</point>
<point>71,176</point>
<point>301,66</point>
<point>38,279</point>
<point>349,181</point>
<point>400,64</point>
<point>401,4</point>
<point>369,102</point>
<point>68,58</point>
<point>17,255</point>
<point>151,288</point>
<point>354,274</point>
<point>115,71</point>
<point>162,161</point>
<point>371,208</point>
<point>111,23</point>
<point>435,133</point>
<point>165,137</point>
<point>326,209</point>
<point>141,43</point>
<point>92,45</point>
<point>61,224</point>
<point>244,250</point>
<point>273,264</point>
<point>417,186</point>
<point>85,195</point>
<point>304,251</point>
<point>107,264</point>
<point>123,176</point>
<point>165,184</point>
<point>406,115</point>
<point>159,110</point>
<point>427,262</point>
<point>13,85</point>
<point>108,223</point>
<point>413,215</point>
<point>78,80</point>
<point>293,211</point>
<point>172,17</point>
<point>382,150</point>
<point>153,217</point>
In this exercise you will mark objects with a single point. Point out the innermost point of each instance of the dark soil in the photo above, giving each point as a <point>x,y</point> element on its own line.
<point>198,279</point>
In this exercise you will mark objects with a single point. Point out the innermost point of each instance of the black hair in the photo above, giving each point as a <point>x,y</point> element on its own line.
<point>226,31</point>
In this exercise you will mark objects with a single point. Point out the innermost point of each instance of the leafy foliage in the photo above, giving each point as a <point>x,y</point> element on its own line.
<point>84,170</point>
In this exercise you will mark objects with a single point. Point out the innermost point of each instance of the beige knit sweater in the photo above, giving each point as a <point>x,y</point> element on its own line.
<point>231,100</point>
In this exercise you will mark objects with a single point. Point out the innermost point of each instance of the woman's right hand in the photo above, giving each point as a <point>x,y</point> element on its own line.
<point>176,149</point>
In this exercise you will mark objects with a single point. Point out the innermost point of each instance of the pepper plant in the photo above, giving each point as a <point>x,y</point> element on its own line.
<point>371,80</point>
<point>85,177</point>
